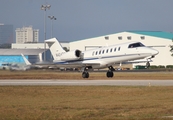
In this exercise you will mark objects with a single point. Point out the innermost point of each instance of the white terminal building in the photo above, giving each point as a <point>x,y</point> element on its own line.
<point>160,41</point>
<point>27,35</point>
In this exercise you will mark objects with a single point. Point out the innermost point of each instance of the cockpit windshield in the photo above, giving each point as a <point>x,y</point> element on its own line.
<point>134,45</point>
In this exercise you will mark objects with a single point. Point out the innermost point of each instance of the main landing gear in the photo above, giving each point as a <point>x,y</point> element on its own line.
<point>110,73</point>
<point>85,74</point>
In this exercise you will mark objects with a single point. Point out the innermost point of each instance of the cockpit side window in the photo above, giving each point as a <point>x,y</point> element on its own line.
<point>134,45</point>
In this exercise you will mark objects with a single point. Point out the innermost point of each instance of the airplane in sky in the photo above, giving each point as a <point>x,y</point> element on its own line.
<point>104,57</point>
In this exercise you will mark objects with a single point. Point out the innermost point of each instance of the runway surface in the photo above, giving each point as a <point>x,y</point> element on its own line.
<point>25,82</point>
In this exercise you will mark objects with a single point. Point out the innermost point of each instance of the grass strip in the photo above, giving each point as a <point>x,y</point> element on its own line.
<point>41,74</point>
<point>85,102</point>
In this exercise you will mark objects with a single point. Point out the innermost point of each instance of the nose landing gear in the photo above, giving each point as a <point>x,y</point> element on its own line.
<point>147,64</point>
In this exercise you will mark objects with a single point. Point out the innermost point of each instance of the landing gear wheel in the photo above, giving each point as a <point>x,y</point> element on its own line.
<point>147,64</point>
<point>85,74</point>
<point>111,68</point>
<point>109,74</point>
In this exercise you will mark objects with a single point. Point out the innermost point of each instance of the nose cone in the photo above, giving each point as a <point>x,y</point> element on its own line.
<point>154,52</point>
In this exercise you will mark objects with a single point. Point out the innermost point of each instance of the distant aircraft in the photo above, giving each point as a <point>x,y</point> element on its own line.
<point>104,57</point>
<point>28,65</point>
<point>5,66</point>
<point>24,67</point>
<point>19,67</point>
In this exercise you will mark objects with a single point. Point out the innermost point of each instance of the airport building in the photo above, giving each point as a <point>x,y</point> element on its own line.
<point>6,34</point>
<point>34,52</point>
<point>160,41</point>
<point>36,45</point>
<point>27,35</point>
<point>13,56</point>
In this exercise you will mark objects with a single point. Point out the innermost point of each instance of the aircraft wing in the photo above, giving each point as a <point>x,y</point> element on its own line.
<point>137,61</point>
<point>78,64</point>
<point>158,46</point>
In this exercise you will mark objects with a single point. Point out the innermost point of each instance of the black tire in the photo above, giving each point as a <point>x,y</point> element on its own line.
<point>109,74</point>
<point>85,74</point>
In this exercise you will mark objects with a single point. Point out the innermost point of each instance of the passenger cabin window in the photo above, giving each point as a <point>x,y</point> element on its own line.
<point>107,50</point>
<point>103,51</point>
<point>114,49</point>
<point>119,48</point>
<point>96,52</point>
<point>134,45</point>
<point>100,52</point>
<point>111,50</point>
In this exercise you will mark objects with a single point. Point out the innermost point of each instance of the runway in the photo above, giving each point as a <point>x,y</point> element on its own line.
<point>25,82</point>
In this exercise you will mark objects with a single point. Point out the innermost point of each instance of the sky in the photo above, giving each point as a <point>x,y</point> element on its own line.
<point>82,19</point>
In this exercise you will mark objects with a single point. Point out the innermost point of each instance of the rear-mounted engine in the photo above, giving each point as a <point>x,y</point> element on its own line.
<point>71,55</point>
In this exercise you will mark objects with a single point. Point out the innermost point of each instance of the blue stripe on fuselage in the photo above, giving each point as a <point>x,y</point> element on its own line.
<point>73,61</point>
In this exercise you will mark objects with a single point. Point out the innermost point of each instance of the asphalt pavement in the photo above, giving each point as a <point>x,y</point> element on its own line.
<point>49,82</point>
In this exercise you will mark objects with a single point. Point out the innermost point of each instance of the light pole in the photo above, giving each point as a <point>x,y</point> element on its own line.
<point>52,18</point>
<point>45,7</point>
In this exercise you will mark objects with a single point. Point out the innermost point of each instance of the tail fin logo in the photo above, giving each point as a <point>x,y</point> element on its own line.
<point>59,54</point>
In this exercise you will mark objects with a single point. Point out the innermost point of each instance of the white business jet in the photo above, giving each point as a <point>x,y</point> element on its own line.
<point>100,57</point>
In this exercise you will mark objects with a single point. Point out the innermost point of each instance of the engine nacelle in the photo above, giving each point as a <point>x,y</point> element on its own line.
<point>71,55</point>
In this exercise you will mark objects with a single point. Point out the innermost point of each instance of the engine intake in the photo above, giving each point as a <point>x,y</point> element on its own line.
<point>71,55</point>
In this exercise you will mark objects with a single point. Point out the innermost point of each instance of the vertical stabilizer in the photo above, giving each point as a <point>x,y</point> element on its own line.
<point>26,61</point>
<point>55,48</point>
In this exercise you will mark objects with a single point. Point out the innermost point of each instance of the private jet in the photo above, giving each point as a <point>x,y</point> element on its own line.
<point>104,57</point>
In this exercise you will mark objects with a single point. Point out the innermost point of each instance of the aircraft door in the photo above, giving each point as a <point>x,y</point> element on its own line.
<point>137,51</point>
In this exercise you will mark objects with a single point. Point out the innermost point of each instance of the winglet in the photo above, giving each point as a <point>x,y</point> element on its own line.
<point>26,61</point>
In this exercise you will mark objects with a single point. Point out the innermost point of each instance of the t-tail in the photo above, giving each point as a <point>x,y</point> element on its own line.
<point>59,54</point>
<point>26,61</point>
<point>55,48</point>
